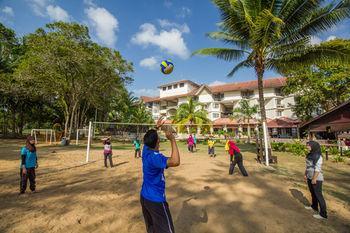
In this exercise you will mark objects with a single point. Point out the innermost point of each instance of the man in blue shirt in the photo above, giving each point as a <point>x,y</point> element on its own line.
<point>155,209</point>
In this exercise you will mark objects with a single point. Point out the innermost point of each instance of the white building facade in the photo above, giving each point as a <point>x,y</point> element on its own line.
<point>220,100</point>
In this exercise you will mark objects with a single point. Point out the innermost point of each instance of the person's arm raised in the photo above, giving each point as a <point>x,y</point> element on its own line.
<point>174,159</point>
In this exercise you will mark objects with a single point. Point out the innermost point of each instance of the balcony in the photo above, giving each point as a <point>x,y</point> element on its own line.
<point>226,114</point>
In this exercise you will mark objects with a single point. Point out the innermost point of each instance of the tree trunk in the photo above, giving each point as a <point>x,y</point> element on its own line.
<point>260,69</point>
<point>248,131</point>
<point>72,119</point>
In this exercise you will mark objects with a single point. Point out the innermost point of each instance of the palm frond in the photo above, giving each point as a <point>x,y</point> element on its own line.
<point>222,53</point>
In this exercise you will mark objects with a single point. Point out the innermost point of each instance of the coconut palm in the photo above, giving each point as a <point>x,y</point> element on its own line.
<point>277,35</point>
<point>245,113</point>
<point>192,113</point>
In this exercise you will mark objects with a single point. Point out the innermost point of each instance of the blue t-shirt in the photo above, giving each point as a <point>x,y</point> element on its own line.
<point>31,158</point>
<point>153,186</point>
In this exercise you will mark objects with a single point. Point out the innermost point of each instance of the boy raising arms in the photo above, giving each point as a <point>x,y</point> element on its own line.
<point>155,209</point>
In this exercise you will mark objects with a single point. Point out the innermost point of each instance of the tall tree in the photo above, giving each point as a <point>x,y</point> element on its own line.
<point>192,113</point>
<point>245,113</point>
<point>318,89</point>
<point>276,35</point>
<point>63,62</point>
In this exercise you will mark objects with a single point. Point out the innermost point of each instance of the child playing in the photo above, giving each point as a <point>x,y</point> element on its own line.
<point>190,143</point>
<point>29,162</point>
<point>107,151</point>
<point>194,142</point>
<point>211,148</point>
<point>236,158</point>
<point>137,146</point>
<point>155,208</point>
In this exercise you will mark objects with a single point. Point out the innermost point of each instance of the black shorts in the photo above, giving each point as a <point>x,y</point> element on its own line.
<point>157,216</point>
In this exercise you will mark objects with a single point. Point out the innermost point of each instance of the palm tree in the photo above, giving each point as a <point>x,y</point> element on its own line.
<point>139,114</point>
<point>192,113</point>
<point>245,113</point>
<point>276,35</point>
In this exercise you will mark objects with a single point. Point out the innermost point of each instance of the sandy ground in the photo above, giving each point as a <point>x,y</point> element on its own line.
<point>77,197</point>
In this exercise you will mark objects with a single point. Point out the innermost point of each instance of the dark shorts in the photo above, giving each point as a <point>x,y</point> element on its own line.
<point>157,216</point>
<point>136,150</point>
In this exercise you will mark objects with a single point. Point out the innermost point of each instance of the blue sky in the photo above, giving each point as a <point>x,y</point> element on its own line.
<point>145,32</point>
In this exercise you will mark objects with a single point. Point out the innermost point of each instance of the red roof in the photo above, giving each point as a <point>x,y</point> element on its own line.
<point>282,122</point>
<point>147,99</point>
<point>224,121</point>
<point>250,85</point>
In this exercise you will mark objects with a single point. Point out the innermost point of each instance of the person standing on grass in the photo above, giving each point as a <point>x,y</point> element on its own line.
<point>137,146</point>
<point>314,178</point>
<point>29,162</point>
<point>155,208</point>
<point>211,148</point>
<point>107,151</point>
<point>194,142</point>
<point>236,158</point>
<point>190,143</point>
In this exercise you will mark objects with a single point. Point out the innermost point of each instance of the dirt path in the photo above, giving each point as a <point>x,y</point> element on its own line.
<point>201,195</point>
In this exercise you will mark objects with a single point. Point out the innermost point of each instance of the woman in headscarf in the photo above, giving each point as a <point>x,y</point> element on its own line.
<point>29,162</point>
<point>236,158</point>
<point>314,178</point>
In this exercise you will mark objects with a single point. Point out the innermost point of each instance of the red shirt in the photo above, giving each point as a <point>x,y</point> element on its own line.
<point>233,148</point>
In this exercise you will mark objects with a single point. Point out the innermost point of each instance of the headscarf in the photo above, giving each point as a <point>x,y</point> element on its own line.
<point>30,147</point>
<point>315,152</point>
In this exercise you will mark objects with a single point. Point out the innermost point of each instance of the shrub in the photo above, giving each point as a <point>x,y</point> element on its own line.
<point>298,149</point>
<point>333,150</point>
<point>346,153</point>
<point>338,159</point>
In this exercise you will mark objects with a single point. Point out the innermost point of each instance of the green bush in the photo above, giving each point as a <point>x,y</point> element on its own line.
<point>338,159</point>
<point>323,149</point>
<point>295,148</point>
<point>333,150</point>
<point>298,149</point>
<point>346,153</point>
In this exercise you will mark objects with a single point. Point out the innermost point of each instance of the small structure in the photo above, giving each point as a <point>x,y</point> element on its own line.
<point>329,124</point>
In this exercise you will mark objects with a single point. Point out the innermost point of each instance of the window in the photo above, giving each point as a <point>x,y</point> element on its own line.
<point>216,105</point>
<point>164,88</point>
<point>170,87</point>
<point>218,96</point>
<point>182,84</point>
<point>247,94</point>
<point>175,86</point>
<point>279,103</point>
<point>278,91</point>
<point>216,115</point>
<point>195,98</point>
<point>279,113</point>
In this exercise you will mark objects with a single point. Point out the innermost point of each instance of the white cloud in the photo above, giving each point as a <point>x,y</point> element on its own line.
<point>170,41</point>
<point>104,23</point>
<point>331,38</point>
<point>216,83</point>
<point>44,8</point>
<point>315,40</point>
<point>8,11</point>
<point>56,13</point>
<point>146,92</point>
<point>150,63</point>
<point>164,23</point>
<point>184,12</point>
<point>39,6</point>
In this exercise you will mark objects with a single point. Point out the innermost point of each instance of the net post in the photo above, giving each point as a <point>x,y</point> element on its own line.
<point>50,136</point>
<point>77,138</point>
<point>89,141</point>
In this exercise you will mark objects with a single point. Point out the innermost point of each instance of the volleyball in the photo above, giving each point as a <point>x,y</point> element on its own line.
<point>166,66</point>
